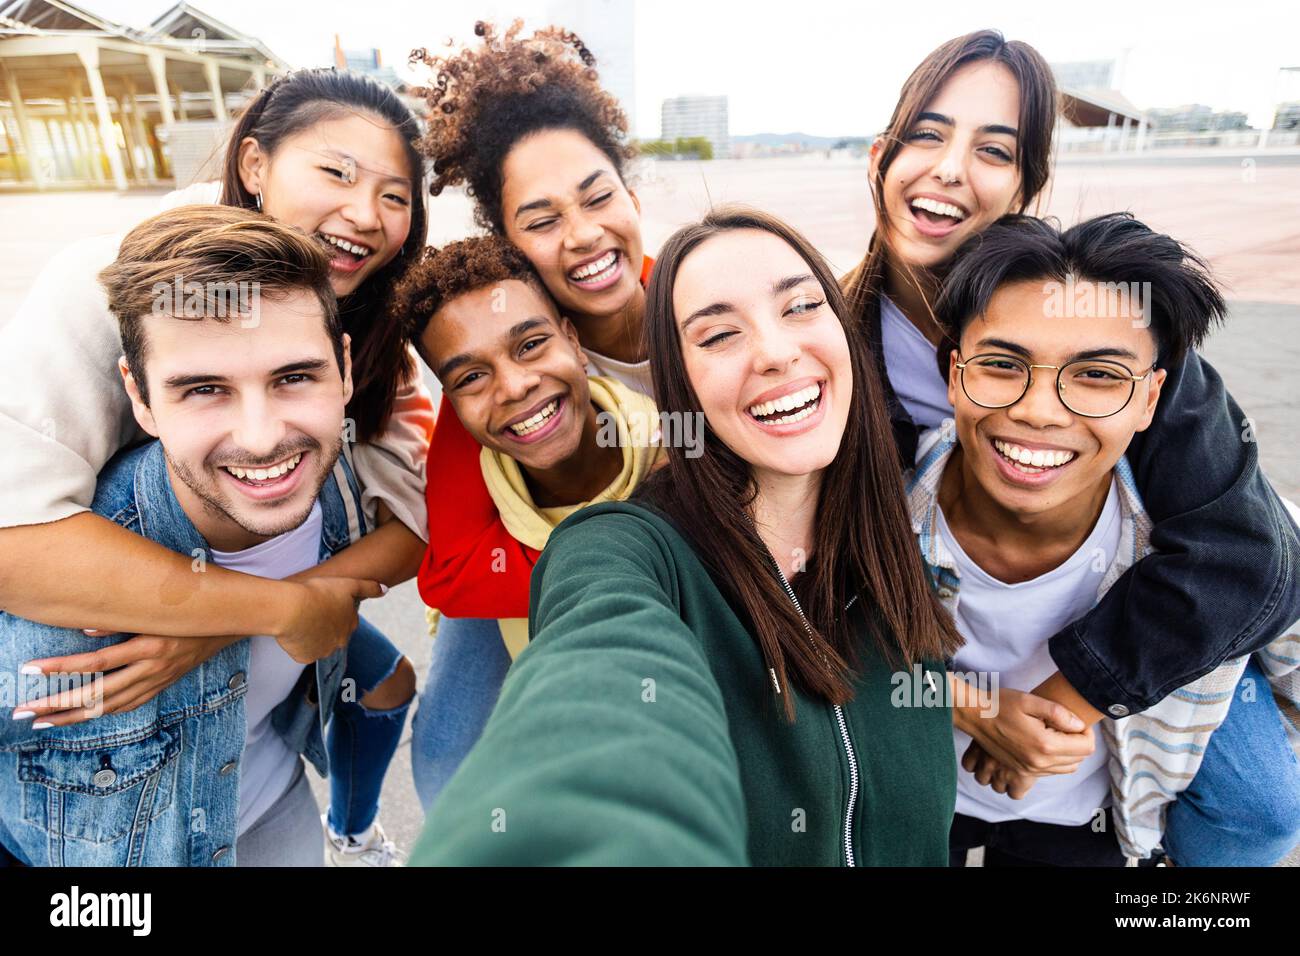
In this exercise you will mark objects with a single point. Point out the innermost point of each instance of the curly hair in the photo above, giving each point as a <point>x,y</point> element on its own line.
<point>440,275</point>
<point>483,101</point>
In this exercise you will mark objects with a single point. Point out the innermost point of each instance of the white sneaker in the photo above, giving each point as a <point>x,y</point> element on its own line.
<point>372,848</point>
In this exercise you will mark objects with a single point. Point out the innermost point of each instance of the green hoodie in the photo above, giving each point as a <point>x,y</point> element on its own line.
<point>641,726</point>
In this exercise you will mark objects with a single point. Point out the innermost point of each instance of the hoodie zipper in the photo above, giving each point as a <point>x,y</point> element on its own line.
<point>839,719</point>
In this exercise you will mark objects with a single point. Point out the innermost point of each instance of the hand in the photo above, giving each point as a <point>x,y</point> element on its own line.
<point>323,615</point>
<point>1029,734</point>
<point>129,674</point>
<point>988,772</point>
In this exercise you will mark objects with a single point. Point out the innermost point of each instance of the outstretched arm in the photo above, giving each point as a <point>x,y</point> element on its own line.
<point>577,765</point>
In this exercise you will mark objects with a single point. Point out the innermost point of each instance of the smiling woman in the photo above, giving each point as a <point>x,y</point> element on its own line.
<point>769,587</point>
<point>526,126</point>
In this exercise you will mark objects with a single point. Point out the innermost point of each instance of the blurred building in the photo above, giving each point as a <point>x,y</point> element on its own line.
<point>91,102</point>
<point>1087,74</point>
<point>1196,118</point>
<point>1095,115</point>
<point>608,28</point>
<point>369,62</point>
<point>686,117</point>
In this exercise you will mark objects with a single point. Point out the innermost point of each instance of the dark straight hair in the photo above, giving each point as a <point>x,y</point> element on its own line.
<point>296,101</point>
<point>1170,282</point>
<point>1035,128</point>
<point>863,543</point>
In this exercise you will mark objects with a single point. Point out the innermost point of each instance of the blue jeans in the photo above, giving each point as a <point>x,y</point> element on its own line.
<point>360,741</point>
<point>1243,807</point>
<point>469,663</point>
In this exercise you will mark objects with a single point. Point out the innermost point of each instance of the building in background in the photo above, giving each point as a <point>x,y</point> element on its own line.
<point>1095,115</point>
<point>689,117</point>
<point>87,102</point>
<point>369,62</point>
<point>608,28</point>
<point>1087,74</point>
<point>1196,118</point>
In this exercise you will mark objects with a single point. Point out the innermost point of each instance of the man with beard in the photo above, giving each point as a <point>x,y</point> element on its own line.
<point>235,361</point>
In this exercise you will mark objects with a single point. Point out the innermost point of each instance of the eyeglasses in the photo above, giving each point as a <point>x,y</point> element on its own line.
<point>1093,388</point>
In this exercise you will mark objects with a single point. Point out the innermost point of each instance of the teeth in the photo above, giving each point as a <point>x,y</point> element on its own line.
<point>787,403</point>
<point>536,422</point>
<point>266,474</point>
<point>346,246</point>
<point>1038,459</point>
<point>938,208</point>
<point>604,264</point>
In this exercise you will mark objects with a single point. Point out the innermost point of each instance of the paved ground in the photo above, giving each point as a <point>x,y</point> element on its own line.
<point>1241,211</point>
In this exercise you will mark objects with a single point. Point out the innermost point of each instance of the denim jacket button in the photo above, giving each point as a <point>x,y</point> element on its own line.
<point>945,592</point>
<point>221,854</point>
<point>236,681</point>
<point>104,778</point>
<point>1117,710</point>
<point>227,769</point>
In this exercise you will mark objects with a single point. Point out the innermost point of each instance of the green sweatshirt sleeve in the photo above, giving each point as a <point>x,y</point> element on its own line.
<point>609,744</point>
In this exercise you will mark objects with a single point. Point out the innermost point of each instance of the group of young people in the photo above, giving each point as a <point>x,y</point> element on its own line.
<point>728,560</point>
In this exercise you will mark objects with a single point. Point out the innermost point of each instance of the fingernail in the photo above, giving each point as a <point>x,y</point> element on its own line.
<point>383,589</point>
<point>42,725</point>
<point>30,670</point>
<point>89,630</point>
<point>23,714</point>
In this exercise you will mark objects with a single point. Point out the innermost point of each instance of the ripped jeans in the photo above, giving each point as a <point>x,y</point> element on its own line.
<point>361,742</point>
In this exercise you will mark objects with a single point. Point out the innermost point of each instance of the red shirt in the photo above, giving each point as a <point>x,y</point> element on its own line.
<point>472,567</point>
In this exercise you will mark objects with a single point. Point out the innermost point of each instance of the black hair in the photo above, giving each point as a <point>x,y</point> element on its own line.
<point>1179,297</point>
<point>295,102</point>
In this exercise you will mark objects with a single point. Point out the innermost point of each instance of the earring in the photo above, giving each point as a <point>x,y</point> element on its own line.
<point>259,201</point>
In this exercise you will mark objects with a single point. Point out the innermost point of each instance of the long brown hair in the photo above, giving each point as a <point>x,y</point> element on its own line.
<point>381,363</point>
<point>864,545</point>
<point>1037,122</point>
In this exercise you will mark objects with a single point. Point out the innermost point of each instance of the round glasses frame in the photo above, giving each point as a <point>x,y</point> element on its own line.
<point>1060,385</point>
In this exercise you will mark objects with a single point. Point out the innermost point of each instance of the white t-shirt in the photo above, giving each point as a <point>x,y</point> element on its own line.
<point>268,763</point>
<point>1007,627</point>
<point>635,375</point>
<point>912,363</point>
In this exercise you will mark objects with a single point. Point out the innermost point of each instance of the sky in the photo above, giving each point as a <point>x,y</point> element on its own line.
<point>825,67</point>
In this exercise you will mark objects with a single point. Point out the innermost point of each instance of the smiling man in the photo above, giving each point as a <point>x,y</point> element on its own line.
<point>247,409</point>
<point>1027,512</point>
<point>551,440</point>
<point>541,439</point>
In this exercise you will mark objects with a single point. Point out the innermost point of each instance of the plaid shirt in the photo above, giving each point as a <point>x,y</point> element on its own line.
<point>1154,754</point>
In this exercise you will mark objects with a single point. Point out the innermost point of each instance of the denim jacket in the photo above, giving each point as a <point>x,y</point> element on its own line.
<point>158,785</point>
<point>1155,754</point>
